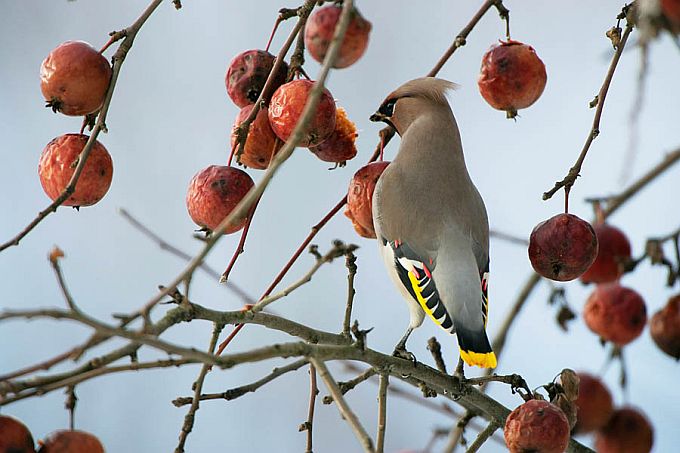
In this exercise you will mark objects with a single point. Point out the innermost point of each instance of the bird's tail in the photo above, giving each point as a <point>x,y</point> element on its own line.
<point>475,349</point>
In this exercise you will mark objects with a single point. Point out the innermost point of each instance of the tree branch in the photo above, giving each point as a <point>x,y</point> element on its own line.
<point>574,171</point>
<point>382,413</point>
<point>237,392</point>
<point>342,405</point>
<point>482,437</point>
<point>198,388</point>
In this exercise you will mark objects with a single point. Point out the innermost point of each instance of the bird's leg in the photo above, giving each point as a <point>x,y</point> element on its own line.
<point>460,369</point>
<point>400,349</point>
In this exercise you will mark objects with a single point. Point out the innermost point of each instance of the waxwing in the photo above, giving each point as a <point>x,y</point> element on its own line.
<point>430,221</point>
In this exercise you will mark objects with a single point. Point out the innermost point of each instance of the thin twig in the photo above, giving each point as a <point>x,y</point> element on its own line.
<point>70,405</point>
<point>482,437</point>
<point>198,388</point>
<point>351,264</point>
<point>436,350</point>
<point>129,35</point>
<point>617,201</point>
<point>342,405</point>
<point>349,385</point>
<point>457,431</point>
<point>382,413</point>
<point>239,248</point>
<point>339,249</point>
<point>574,171</point>
<point>309,424</point>
<point>463,34</point>
<point>508,237</point>
<point>237,392</point>
<point>136,223</point>
<point>54,257</point>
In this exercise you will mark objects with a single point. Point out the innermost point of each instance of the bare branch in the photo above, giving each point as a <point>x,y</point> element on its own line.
<point>574,171</point>
<point>382,413</point>
<point>463,34</point>
<point>482,437</point>
<point>342,405</point>
<point>198,388</point>
<point>339,249</point>
<point>309,424</point>
<point>237,392</point>
<point>351,264</point>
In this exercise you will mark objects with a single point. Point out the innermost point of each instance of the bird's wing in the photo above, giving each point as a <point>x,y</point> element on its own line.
<point>414,270</point>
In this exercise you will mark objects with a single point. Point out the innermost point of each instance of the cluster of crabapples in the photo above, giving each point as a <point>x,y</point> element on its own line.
<point>215,191</point>
<point>566,247</point>
<point>74,79</point>
<point>580,404</point>
<point>16,438</point>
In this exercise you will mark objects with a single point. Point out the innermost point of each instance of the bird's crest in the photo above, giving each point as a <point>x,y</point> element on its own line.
<point>430,88</point>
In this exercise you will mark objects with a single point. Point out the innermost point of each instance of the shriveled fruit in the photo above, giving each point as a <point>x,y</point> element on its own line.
<point>320,29</point>
<point>339,146</point>
<point>536,426</point>
<point>512,76</point>
<point>562,247</point>
<point>665,327</point>
<point>594,404</point>
<point>14,436</point>
<point>286,107</point>
<point>615,313</point>
<point>247,74</point>
<point>262,144</point>
<point>214,192</point>
<point>360,198</point>
<point>58,163</point>
<point>71,442</point>
<point>627,431</point>
<point>74,78</point>
<point>612,254</point>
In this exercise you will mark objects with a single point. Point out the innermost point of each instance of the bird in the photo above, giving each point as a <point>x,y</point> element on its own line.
<point>431,222</point>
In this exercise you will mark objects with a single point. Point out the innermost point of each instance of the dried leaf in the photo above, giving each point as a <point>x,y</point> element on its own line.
<point>570,381</point>
<point>564,316</point>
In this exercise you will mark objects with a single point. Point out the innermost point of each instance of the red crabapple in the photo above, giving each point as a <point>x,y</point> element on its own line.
<point>74,78</point>
<point>58,163</point>
<point>562,247</point>
<point>512,76</point>
<point>214,192</point>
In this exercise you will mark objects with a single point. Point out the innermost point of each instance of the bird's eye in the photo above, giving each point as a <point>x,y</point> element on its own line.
<point>387,108</point>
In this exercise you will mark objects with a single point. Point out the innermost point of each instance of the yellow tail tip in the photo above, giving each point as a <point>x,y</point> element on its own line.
<point>480,359</point>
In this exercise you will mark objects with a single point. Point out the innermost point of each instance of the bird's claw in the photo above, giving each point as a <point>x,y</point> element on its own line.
<point>402,353</point>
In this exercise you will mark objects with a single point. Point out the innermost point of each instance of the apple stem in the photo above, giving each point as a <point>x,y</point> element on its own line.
<point>271,37</point>
<point>566,199</point>
<point>241,243</point>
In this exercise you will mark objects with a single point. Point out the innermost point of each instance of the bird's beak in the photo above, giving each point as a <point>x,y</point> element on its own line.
<point>377,116</point>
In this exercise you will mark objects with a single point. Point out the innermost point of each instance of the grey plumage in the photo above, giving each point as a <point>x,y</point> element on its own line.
<point>427,203</point>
